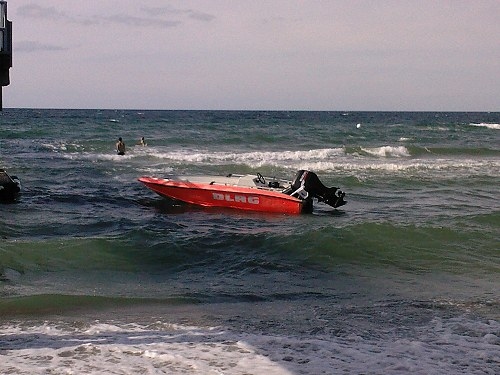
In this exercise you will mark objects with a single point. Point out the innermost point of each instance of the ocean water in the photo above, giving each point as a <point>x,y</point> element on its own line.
<point>100,275</point>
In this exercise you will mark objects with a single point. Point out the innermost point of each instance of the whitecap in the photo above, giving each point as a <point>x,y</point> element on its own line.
<point>387,151</point>
<point>486,125</point>
<point>253,158</point>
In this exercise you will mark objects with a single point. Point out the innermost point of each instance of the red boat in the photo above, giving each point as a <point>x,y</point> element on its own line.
<point>248,192</point>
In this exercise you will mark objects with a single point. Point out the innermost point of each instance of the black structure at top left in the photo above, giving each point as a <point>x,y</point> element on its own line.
<point>5,48</point>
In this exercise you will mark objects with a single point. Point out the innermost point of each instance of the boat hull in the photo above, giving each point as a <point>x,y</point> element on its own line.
<point>228,196</point>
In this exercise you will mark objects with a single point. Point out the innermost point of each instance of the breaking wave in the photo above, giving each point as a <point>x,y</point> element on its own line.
<point>487,125</point>
<point>462,345</point>
<point>387,151</point>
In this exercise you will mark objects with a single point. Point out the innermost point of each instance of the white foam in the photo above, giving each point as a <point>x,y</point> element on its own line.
<point>443,345</point>
<point>62,146</point>
<point>252,158</point>
<point>98,156</point>
<point>487,125</point>
<point>138,349</point>
<point>387,151</point>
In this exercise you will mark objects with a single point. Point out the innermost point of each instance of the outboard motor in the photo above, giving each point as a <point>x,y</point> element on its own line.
<point>306,184</point>
<point>9,187</point>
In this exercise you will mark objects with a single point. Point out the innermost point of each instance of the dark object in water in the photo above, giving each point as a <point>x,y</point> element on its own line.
<point>10,186</point>
<point>5,48</point>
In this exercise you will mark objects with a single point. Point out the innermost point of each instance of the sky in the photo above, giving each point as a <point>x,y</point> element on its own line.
<point>374,55</point>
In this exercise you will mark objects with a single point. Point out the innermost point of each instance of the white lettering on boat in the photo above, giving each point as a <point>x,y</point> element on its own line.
<point>235,198</point>
<point>253,200</point>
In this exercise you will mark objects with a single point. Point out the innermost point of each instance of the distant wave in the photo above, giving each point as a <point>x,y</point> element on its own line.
<point>387,151</point>
<point>255,156</point>
<point>273,157</point>
<point>345,159</point>
<point>486,125</point>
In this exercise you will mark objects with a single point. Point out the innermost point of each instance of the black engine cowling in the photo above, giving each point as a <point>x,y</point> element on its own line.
<point>9,187</point>
<point>315,188</point>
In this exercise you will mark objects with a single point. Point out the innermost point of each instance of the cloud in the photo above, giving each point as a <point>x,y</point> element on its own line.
<point>52,14</point>
<point>29,46</point>
<point>139,21</point>
<point>155,17</point>
<point>36,11</point>
<point>190,13</point>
